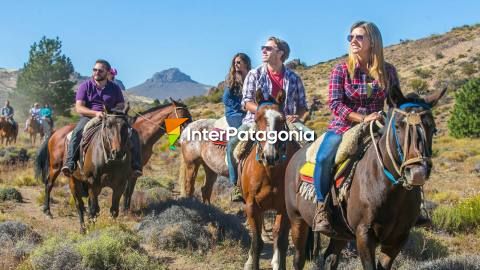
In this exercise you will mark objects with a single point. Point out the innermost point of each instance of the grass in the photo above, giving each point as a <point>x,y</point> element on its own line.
<point>462,217</point>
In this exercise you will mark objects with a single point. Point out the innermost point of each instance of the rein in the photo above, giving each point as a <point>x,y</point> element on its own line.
<point>413,120</point>
<point>103,137</point>
<point>151,122</point>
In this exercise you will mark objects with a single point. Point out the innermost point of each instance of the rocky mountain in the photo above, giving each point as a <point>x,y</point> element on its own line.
<point>8,81</point>
<point>169,83</point>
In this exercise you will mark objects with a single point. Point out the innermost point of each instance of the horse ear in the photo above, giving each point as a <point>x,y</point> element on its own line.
<point>280,98</point>
<point>173,100</point>
<point>395,96</point>
<point>432,99</point>
<point>259,96</point>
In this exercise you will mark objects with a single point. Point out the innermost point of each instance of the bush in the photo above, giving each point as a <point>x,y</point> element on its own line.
<point>17,240</point>
<point>453,262</point>
<point>421,246</point>
<point>419,86</point>
<point>423,73</point>
<point>465,118</point>
<point>108,248</point>
<point>10,194</point>
<point>439,55</point>
<point>189,224</point>
<point>468,68</point>
<point>464,216</point>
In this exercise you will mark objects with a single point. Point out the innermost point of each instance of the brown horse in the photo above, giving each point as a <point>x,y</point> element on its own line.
<point>106,163</point>
<point>33,128</point>
<point>201,152</point>
<point>262,179</point>
<point>149,124</point>
<point>8,131</point>
<point>380,210</point>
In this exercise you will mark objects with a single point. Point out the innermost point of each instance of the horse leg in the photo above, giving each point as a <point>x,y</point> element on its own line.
<point>254,219</point>
<point>299,233</point>
<point>280,242</point>
<point>117,194</point>
<point>387,256</point>
<point>75,189</point>
<point>332,254</point>
<point>127,196</point>
<point>365,246</point>
<point>210,177</point>
<point>94,209</point>
<point>49,183</point>
<point>191,170</point>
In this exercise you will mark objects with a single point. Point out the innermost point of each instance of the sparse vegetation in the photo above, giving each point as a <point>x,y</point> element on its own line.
<point>419,86</point>
<point>439,55</point>
<point>423,73</point>
<point>10,194</point>
<point>464,216</point>
<point>17,241</point>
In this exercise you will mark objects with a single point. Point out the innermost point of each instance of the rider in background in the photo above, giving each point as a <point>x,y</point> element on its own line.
<point>46,114</point>
<point>7,111</point>
<point>234,114</point>
<point>357,91</point>
<point>34,113</point>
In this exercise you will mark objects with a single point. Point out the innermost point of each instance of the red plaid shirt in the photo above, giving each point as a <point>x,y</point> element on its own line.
<point>346,95</point>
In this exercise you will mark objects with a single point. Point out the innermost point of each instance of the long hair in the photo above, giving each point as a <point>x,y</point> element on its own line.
<point>376,62</point>
<point>233,81</point>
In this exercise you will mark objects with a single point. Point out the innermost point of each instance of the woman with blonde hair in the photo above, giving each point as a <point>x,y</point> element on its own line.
<point>357,91</point>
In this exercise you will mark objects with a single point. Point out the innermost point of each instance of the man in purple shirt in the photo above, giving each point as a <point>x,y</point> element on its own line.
<point>91,96</point>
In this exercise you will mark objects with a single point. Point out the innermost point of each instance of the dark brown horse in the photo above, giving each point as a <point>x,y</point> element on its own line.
<point>149,124</point>
<point>33,128</point>
<point>8,131</point>
<point>262,180</point>
<point>380,210</point>
<point>106,163</point>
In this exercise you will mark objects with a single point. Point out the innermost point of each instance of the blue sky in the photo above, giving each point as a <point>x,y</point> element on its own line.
<point>200,37</point>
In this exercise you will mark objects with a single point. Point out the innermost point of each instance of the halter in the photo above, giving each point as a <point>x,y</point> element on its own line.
<point>103,137</point>
<point>150,121</point>
<point>414,122</point>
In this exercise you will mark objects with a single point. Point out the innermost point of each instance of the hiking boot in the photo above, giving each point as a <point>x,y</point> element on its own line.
<point>320,220</point>
<point>236,195</point>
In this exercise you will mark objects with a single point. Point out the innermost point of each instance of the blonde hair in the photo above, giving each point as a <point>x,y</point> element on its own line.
<point>376,62</point>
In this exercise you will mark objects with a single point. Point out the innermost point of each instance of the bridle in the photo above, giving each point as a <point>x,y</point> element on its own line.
<point>414,129</point>
<point>161,127</point>
<point>104,138</point>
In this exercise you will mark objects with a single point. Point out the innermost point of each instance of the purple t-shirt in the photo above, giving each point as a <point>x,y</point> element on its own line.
<point>95,98</point>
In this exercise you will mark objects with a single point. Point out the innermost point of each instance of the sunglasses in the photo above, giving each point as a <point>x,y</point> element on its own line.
<point>357,37</point>
<point>98,70</point>
<point>268,48</point>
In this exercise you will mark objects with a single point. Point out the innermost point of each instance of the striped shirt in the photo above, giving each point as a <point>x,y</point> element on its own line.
<point>258,79</point>
<point>346,95</point>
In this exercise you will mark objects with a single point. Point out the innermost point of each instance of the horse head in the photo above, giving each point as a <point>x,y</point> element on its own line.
<point>180,110</point>
<point>410,131</point>
<point>115,134</point>
<point>270,121</point>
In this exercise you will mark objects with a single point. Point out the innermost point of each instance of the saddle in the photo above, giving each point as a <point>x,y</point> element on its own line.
<point>90,129</point>
<point>354,144</point>
<point>220,127</point>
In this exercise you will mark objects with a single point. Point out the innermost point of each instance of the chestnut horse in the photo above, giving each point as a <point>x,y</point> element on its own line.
<point>34,127</point>
<point>149,124</point>
<point>385,194</point>
<point>262,179</point>
<point>8,131</point>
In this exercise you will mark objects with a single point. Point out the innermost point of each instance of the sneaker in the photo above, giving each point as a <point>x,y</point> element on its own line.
<point>320,221</point>
<point>236,195</point>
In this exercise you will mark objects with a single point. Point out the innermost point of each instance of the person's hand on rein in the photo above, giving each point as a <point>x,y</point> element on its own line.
<point>372,117</point>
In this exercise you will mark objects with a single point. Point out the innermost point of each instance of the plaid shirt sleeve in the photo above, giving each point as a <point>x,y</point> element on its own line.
<point>248,91</point>
<point>336,93</point>
<point>302,100</point>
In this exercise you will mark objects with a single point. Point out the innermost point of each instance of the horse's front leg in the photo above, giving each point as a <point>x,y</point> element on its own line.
<point>388,253</point>
<point>366,246</point>
<point>94,208</point>
<point>332,254</point>
<point>210,177</point>
<point>280,241</point>
<point>255,220</point>
<point>117,194</point>
<point>75,189</point>
<point>127,195</point>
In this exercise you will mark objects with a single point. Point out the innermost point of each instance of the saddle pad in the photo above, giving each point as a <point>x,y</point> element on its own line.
<point>308,169</point>
<point>347,147</point>
<point>222,139</point>
<point>221,123</point>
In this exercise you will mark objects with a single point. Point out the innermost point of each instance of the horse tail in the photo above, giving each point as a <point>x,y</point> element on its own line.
<point>42,162</point>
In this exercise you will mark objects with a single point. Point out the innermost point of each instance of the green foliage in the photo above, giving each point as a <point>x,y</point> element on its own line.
<point>156,102</point>
<point>419,86</point>
<point>439,55</point>
<point>45,78</point>
<point>423,73</point>
<point>108,248</point>
<point>464,216</point>
<point>468,68</point>
<point>465,118</point>
<point>10,194</point>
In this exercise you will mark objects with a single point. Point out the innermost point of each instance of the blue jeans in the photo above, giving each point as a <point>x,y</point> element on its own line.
<point>322,176</point>
<point>234,121</point>
<point>232,165</point>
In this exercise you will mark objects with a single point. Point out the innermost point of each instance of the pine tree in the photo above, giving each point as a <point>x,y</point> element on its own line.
<point>45,78</point>
<point>465,119</point>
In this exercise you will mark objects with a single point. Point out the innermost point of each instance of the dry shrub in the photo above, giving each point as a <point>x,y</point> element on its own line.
<point>17,241</point>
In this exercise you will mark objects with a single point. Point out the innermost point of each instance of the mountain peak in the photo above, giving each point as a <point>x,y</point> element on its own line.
<point>170,75</point>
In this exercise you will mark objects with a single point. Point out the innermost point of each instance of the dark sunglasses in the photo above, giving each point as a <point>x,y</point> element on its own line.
<point>357,37</point>
<point>98,70</point>
<point>267,48</point>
